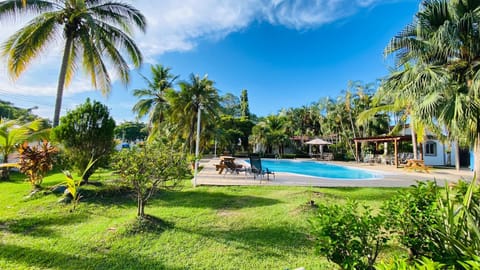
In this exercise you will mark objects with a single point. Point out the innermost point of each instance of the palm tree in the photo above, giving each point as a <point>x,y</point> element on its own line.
<point>184,106</point>
<point>153,101</point>
<point>93,30</point>
<point>444,35</point>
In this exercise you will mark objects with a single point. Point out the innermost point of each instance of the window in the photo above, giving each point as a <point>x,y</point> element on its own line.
<point>431,149</point>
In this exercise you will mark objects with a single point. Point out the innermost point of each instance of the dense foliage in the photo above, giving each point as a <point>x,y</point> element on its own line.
<point>131,131</point>
<point>440,229</point>
<point>414,216</point>
<point>87,133</point>
<point>349,236</point>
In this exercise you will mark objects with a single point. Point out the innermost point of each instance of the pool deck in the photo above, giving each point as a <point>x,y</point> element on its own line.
<point>392,177</point>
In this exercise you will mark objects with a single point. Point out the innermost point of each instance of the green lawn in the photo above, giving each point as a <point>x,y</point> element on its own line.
<point>203,228</point>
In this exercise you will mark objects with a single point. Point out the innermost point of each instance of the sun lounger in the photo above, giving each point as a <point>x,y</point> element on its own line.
<point>258,170</point>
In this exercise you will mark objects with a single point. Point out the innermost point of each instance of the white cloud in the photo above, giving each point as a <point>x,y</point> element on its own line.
<point>176,26</point>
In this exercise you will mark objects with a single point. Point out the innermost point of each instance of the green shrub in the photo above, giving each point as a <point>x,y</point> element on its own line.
<point>349,237</point>
<point>87,134</point>
<point>414,216</point>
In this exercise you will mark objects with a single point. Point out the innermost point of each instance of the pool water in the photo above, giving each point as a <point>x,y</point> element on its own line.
<point>317,169</point>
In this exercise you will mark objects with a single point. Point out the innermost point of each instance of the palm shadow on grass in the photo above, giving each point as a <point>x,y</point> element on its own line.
<point>39,226</point>
<point>278,240</point>
<point>213,200</point>
<point>121,195</point>
<point>82,260</point>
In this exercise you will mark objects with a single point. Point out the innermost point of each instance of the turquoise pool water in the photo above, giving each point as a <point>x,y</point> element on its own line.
<point>317,169</point>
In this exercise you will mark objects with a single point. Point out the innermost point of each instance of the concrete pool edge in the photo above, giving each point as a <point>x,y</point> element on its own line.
<point>392,177</point>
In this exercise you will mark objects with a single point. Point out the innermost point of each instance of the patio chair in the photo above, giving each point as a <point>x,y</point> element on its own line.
<point>233,168</point>
<point>257,169</point>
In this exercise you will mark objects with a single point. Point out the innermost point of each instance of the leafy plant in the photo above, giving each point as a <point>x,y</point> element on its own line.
<point>403,264</point>
<point>414,215</point>
<point>458,236</point>
<point>472,264</point>
<point>347,237</point>
<point>73,186</point>
<point>36,161</point>
<point>87,132</point>
<point>149,168</point>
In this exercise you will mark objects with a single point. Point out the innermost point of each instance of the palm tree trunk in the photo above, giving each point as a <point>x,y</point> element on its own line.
<point>457,156</point>
<point>476,157</point>
<point>61,80</point>
<point>414,140</point>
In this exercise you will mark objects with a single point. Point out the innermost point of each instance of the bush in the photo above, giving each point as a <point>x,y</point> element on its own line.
<point>443,228</point>
<point>36,161</point>
<point>348,238</point>
<point>414,216</point>
<point>87,134</point>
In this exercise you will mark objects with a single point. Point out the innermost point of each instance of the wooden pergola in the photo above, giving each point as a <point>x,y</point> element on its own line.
<point>381,139</point>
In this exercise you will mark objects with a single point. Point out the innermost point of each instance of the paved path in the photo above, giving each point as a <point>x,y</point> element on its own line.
<point>389,177</point>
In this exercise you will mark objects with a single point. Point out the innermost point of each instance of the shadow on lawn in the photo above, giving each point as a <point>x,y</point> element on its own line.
<point>81,260</point>
<point>111,195</point>
<point>363,194</point>
<point>39,225</point>
<point>212,200</point>
<point>272,241</point>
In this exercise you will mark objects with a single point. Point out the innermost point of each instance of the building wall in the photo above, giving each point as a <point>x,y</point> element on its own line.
<point>441,156</point>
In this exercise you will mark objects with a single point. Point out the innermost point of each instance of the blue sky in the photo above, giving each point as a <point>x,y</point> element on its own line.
<point>285,53</point>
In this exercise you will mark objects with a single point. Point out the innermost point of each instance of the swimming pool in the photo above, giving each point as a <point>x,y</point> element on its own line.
<point>318,169</point>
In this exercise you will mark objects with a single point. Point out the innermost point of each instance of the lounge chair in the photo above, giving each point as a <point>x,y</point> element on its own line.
<point>257,169</point>
<point>232,167</point>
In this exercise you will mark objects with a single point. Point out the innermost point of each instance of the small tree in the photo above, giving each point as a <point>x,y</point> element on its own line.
<point>87,134</point>
<point>150,168</point>
<point>36,161</point>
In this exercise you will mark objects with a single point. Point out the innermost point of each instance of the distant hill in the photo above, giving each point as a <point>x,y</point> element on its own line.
<point>9,111</point>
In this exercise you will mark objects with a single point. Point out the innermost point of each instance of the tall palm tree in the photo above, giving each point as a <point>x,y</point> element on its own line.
<point>184,106</point>
<point>445,35</point>
<point>153,101</point>
<point>93,30</point>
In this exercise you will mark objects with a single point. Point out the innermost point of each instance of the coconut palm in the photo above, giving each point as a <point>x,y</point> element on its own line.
<point>153,101</point>
<point>184,106</point>
<point>93,30</point>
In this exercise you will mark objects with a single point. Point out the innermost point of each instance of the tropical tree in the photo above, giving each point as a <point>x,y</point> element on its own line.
<point>244,104</point>
<point>444,37</point>
<point>150,168</point>
<point>93,30</point>
<point>153,100</point>
<point>131,131</point>
<point>198,93</point>
<point>230,105</point>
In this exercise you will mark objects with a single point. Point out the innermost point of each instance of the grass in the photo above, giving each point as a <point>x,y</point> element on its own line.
<point>202,228</point>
